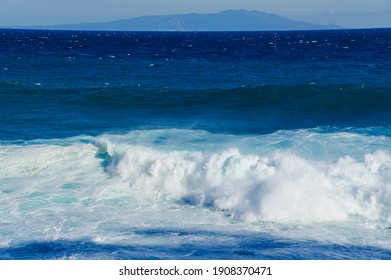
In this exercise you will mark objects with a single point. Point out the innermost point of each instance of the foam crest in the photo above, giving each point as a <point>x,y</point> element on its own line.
<point>103,187</point>
<point>279,186</point>
<point>60,189</point>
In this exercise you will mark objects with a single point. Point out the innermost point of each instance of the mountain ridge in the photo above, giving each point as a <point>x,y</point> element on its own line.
<point>227,20</point>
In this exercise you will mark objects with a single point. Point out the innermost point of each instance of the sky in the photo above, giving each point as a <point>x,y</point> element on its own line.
<point>352,13</point>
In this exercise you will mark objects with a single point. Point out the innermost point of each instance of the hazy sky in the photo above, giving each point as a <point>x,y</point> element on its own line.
<point>42,12</point>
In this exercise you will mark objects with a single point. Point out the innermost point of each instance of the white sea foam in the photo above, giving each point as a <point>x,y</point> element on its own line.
<point>286,183</point>
<point>54,191</point>
<point>279,187</point>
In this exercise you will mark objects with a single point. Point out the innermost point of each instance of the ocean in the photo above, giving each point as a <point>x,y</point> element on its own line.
<point>195,145</point>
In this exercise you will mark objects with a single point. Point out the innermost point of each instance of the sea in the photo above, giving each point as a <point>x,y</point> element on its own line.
<point>195,145</point>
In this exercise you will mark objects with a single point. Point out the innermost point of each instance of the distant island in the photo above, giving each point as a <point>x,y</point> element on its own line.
<point>229,20</point>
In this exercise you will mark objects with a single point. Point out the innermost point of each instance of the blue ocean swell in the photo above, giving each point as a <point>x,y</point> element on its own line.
<point>67,83</point>
<point>300,84</point>
<point>30,112</point>
<point>245,246</point>
<point>194,60</point>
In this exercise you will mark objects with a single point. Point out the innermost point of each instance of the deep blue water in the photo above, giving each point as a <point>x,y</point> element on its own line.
<point>259,145</point>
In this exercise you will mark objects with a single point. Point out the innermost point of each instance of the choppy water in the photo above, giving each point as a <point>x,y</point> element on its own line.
<point>260,145</point>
